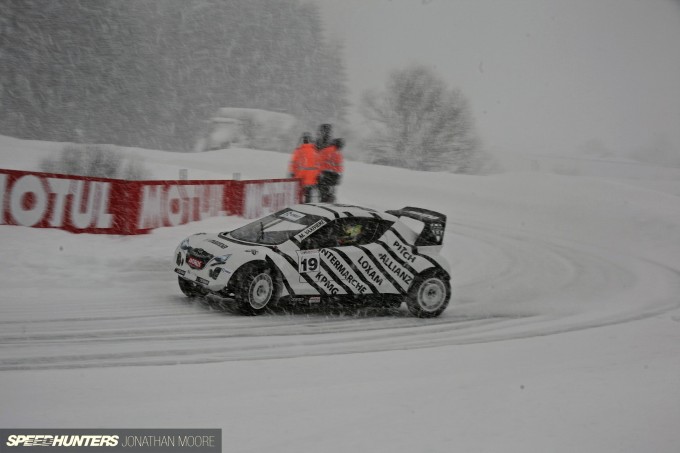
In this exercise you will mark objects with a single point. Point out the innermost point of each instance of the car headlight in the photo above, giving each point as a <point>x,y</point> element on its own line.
<point>185,244</point>
<point>220,259</point>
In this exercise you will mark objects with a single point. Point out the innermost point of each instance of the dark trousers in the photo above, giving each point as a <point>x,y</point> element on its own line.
<point>327,182</point>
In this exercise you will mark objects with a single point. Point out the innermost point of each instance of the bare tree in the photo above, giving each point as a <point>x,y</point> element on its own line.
<point>420,123</point>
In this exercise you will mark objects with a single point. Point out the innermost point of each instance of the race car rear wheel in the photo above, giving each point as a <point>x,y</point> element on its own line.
<point>429,296</point>
<point>255,290</point>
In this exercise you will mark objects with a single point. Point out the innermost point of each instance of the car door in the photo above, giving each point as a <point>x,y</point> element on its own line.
<point>313,277</point>
<point>376,259</point>
<point>344,259</point>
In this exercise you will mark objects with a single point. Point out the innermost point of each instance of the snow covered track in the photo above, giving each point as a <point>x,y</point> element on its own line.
<point>122,307</point>
<point>563,301</point>
<point>531,255</point>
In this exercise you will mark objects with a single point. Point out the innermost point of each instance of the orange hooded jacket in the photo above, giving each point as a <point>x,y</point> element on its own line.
<point>331,159</point>
<point>304,164</point>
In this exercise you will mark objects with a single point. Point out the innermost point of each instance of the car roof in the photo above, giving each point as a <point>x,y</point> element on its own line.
<point>333,211</point>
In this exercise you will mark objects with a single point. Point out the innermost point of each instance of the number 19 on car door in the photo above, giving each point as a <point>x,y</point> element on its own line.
<point>308,263</point>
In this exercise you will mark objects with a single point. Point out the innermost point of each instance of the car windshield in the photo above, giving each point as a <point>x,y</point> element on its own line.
<point>274,229</point>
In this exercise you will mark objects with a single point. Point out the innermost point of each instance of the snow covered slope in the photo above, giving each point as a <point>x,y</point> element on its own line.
<point>562,334</point>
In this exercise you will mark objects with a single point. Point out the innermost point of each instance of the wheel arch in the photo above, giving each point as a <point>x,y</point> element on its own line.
<point>434,270</point>
<point>256,265</point>
<point>412,298</point>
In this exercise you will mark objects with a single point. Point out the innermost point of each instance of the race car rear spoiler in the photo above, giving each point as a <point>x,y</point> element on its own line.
<point>435,224</point>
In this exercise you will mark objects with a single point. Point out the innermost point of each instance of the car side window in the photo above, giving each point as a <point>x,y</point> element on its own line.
<point>323,238</point>
<point>346,232</point>
<point>358,231</point>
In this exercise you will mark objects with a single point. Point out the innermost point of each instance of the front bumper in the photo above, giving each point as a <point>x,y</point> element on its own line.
<point>212,278</point>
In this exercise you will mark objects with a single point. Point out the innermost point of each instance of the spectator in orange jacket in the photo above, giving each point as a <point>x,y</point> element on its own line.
<point>331,168</point>
<point>304,165</point>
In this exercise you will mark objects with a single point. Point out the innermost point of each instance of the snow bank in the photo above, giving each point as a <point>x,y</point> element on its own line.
<point>562,334</point>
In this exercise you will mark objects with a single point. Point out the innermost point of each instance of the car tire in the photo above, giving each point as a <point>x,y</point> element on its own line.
<point>255,290</point>
<point>429,295</point>
<point>187,287</point>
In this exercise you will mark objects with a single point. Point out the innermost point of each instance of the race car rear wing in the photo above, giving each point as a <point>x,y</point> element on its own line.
<point>435,224</point>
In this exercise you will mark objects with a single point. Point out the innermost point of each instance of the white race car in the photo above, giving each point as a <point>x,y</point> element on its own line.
<point>317,253</point>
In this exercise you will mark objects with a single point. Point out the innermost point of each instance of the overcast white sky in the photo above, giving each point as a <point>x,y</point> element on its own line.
<point>543,76</point>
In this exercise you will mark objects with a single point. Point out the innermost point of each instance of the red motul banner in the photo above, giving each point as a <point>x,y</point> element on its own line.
<point>265,197</point>
<point>110,206</point>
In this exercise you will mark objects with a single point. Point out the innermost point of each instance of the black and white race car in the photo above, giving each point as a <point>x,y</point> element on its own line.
<point>316,253</point>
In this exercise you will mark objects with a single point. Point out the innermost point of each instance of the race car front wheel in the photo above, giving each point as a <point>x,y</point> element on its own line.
<point>429,296</point>
<point>256,288</point>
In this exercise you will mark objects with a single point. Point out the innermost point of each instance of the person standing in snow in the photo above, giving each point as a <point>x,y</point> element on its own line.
<point>304,165</point>
<point>331,168</point>
<point>324,136</point>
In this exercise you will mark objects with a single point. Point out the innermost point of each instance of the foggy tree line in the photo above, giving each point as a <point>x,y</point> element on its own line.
<point>149,73</point>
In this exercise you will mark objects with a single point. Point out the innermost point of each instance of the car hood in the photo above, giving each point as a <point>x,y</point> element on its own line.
<point>220,244</point>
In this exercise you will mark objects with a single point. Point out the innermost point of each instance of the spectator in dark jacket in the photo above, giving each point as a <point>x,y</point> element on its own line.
<point>331,168</point>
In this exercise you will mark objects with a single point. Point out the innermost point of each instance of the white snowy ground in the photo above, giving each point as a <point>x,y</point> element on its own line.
<point>563,333</point>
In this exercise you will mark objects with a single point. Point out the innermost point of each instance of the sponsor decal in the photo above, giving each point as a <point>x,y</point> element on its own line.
<point>344,272</point>
<point>297,299</point>
<point>357,284</point>
<point>309,230</point>
<point>252,251</point>
<point>218,243</point>
<point>370,271</point>
<point>292,215</point>
<point>396,268</point>
<point>327,284</point>
<point>179,271</point>
<point>314,300</point>
<point>195,263</point>
<point>202,281</point>
<point>404,251</point>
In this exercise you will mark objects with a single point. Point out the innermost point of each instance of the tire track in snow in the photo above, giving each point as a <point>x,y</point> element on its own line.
<point>508,284</point>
